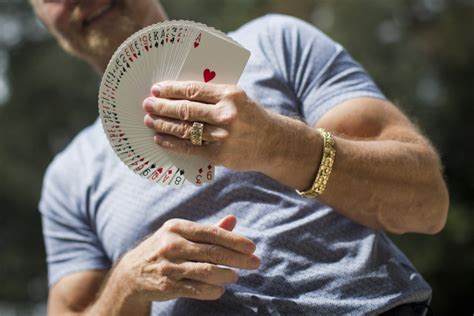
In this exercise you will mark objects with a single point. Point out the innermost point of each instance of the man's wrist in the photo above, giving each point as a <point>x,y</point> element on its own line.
<point>120,296</point>
<point>292,153</point>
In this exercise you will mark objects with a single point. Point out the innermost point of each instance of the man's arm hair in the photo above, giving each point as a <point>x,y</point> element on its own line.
<point>90,292</point>
<point>386,174</point>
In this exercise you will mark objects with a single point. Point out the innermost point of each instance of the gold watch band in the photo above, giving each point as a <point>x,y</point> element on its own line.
<point>325,167</point>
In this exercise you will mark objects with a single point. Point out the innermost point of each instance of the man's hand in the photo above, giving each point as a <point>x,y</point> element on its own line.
<point>185,259</point>
<point>182,259</point>
<point>386,174</point>
<point>236,129</point>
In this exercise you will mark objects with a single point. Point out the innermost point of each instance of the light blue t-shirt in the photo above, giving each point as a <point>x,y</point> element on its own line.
<point>314,260</point>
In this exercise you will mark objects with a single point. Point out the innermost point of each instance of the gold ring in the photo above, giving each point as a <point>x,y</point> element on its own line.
<point>196,133</point>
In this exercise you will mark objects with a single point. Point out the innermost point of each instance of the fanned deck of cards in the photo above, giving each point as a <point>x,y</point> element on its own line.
<point>172,50</point>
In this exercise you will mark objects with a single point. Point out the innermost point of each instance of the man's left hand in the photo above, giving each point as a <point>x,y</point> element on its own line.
<point>237,131</point>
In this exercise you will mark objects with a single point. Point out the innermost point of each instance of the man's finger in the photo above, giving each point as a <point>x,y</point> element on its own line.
<point>182,146</point>
<point>190,90</point>
<point>228,223</point>
<point>212,235</point>
<point>218,255</point>
<point>198,290</point>
<point>184,110</point>
<point>183,129</point>
<point>206,273</point>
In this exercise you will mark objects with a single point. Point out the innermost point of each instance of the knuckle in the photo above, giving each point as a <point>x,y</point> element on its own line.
<point>183,111</point>
<point>234,92</point>
<point>172,225</point>
<point>167,249</point>
<point>211,233</point>
<point>221,135</point>
<point>216,254</point>
<point>159,124</point>
<point>165,269</point>
<point>165,285</point>
<point>192,90</point>
<point>207,271</point>
<point>227,115</point>
<point>184,130</point>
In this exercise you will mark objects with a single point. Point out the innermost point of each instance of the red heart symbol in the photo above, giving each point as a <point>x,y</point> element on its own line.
<point>196,44</point>
<point>160,170</point>
<point>208,75</point>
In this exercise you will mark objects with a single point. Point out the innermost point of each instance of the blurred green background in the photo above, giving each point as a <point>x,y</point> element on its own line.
<point>420,52</point>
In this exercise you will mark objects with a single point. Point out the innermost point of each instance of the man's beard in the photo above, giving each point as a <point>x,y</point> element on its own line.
<point>98,42</point>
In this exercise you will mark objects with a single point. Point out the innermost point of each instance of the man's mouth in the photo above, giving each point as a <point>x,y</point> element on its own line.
<point>98,13</point>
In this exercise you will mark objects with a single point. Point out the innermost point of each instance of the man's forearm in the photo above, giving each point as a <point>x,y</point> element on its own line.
<point>116,299</point>
<point>394,185</point>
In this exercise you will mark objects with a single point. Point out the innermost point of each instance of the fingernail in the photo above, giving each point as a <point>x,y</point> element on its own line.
<point>155,90</point>
<point>250,248</point>
<point>158,139</point>
<point>148,104</point>
<point>149,121</point>
<point>254,262</point>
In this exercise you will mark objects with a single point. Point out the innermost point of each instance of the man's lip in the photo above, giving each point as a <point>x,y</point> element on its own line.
<point>98,13</point>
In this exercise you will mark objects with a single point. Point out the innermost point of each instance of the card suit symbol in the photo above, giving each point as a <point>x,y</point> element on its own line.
<point>152,166</point>
<point>209,167</point>
<point>200,170</point>
<point>196,44</point>
<point>128,66</point>
<point>156,45</point>
<point>208,75</point>
<point>135,55</point>
<point>160,170</point>
<point>170,171</point>
<point>131,59</point>
<point>181,172</point>
<point>162,42</point>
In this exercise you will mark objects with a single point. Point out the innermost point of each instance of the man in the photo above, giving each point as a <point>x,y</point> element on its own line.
<point>120,245</point>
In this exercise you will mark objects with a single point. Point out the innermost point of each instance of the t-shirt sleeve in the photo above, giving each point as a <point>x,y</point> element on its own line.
<point>70,239</point>
<point>319,71</point>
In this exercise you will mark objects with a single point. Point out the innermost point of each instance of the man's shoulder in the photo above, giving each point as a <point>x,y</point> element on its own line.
<point>284,40</point>
<point>278,25</point>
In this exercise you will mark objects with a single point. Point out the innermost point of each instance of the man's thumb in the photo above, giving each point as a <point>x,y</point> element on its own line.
<point>228,222</point>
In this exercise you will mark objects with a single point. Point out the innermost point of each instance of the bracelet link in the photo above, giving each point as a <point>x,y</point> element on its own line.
<point>325,167</point>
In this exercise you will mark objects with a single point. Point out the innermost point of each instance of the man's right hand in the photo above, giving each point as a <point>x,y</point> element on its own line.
<point>186,259</point>
<point>181,259</point>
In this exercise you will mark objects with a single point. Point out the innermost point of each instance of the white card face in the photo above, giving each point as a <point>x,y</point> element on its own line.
<point>162,52</point>
<point>212,59</point>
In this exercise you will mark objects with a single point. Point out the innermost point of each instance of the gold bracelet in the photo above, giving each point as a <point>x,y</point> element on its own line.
<point>325,168</point>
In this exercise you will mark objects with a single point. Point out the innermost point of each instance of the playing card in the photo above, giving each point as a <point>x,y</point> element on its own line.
<point>212,59</point>
<point>172,50</point>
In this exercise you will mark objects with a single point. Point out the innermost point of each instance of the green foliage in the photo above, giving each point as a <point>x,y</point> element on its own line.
<point>419,52</point>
